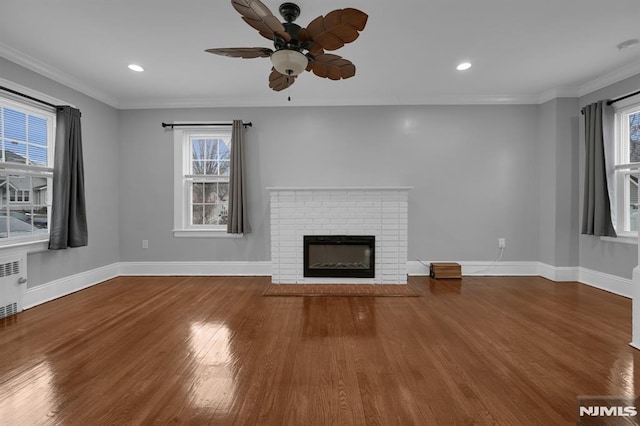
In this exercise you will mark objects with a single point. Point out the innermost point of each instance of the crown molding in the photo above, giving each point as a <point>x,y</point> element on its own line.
<point>166,103</point>
<point>449,99</point>
<point>270,101</point>
<point>373,101</point>
<point>54,74</point>
<point>610,78</point>
<point>559,92</point>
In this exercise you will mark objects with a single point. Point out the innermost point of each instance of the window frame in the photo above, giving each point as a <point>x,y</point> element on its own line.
<point>183,179</point>
<point>29,171</point>
<point>623,168</point>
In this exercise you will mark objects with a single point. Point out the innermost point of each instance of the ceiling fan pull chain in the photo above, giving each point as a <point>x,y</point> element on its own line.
<point>289,85</point>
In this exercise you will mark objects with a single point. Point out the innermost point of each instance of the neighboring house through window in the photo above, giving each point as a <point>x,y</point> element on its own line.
<point>201,174</point>
<point>26,170</point>
<point>627,160</point>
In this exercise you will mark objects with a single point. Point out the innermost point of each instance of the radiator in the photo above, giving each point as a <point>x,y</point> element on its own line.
<point>13,278</point>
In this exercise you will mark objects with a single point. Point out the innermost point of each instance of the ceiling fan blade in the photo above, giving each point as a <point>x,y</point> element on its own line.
<point>264,30</point>
<point>242,52</point>
<point>304,35</point>
<point>337,28</point>
<point>256,14</point>
<point>279,81</point>
<point>333,67</point>
<point>314,48</point>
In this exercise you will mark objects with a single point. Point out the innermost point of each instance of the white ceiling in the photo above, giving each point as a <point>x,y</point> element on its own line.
<point>522,51</point>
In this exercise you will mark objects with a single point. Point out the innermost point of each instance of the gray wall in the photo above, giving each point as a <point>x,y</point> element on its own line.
<point>100,144</point>
<point>558,182</point>
<point>478,172</point>
<point>547,181</point>
<point>604,256</point>
<point>567,185</point>
<point>473,169</point>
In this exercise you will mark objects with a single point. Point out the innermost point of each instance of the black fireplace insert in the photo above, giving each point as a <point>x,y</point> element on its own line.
<point>342,256</point>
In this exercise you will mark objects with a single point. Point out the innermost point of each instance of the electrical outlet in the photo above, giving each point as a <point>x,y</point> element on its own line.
<point>502,243</point>
<point>145,244</point>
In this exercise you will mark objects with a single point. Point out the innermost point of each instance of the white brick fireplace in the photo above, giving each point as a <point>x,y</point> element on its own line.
<point>381,212</point>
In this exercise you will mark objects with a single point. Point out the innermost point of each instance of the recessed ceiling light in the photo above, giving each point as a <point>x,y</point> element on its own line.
<point>628,43</point>
<point>136,68</point>
<point>463,66</point>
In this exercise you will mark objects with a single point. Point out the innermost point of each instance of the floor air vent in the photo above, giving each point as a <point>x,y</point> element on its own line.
<point>12,278</point>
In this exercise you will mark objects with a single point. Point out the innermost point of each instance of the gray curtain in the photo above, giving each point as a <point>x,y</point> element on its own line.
<point>596,214</point>
<point>68,226</point>
<point>238,215</point>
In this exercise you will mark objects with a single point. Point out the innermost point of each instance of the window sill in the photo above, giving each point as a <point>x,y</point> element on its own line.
<point>622,239</point>
<point>199,233</point>
<point>28,246</point>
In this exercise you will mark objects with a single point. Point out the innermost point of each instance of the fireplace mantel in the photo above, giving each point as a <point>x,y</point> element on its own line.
<point>378,211</point>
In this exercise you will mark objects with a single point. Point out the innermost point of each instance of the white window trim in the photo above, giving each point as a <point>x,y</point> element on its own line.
<point>29,92</point>
<point>621,170</point>
<point>622,238</point>
<point>202,233</point>
<point>181,215</point>
<point>33,243</point>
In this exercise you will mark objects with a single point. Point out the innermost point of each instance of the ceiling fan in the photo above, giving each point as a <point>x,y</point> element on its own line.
<point>291,41</point>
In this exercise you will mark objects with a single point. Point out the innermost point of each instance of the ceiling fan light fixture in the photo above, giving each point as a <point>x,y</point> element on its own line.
<point>298,49</point>
<point>289,62</point>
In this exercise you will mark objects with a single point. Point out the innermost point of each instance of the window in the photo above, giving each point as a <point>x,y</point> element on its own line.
<point>201,185</point>
<point>26,171</point>
<point>627,162</point>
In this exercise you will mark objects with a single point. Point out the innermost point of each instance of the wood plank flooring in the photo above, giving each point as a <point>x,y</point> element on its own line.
<point>212,350</point>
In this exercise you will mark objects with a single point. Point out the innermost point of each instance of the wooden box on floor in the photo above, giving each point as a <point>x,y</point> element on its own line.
<point>439,270</point>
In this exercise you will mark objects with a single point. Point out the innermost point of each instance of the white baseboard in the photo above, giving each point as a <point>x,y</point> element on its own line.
<point>610,283</point>
<point>635,308</point>
<point>559,273</point>
<point>478,268</point>
<point>500,268</point>
<point>67,285</point>
<point>61,287</point>
<point>196,268</point>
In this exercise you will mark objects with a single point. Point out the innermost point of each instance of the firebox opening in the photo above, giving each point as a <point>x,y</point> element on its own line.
<point>344,256</point>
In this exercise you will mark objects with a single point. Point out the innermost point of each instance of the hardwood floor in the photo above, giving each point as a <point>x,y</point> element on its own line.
<point>211,350</point>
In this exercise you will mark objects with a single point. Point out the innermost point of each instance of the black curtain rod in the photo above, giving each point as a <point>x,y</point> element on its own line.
<point>613,101</point>
<point>6,89</point>
<point>202,124</point>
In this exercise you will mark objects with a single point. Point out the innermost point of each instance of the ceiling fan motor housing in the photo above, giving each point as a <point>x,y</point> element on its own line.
<point>289,11</point>
<point>293,44</point>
